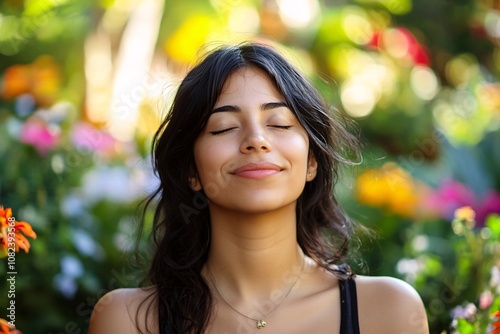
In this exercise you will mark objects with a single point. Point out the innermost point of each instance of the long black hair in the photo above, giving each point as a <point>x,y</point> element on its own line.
<point>181,224</point>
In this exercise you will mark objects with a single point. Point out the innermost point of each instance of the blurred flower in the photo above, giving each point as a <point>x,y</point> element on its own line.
<point>72,205</point>
<point>490,204</point>
<point>411,268</point>
<point>16,81</point>
<point>56,113</point>
<point>184,43</point>
<point>464,312</point>
<point>400,43</point>
<point>25,104</point>
<point>41,79</point>
<point>495,278</point>
<point>85,136</point>
<point>118,183</point>
<point>485,299</point>
<point>111,183</point>
<point>86,245</point>
<point>66,285</point>
<point>65,281</point>
<point>46,79</point>
<point>390,187</point>
<point>466,215</point>
<point>38,134</point>
<point>7,222</point>
<point>450,196</point>
<point>489,95</point>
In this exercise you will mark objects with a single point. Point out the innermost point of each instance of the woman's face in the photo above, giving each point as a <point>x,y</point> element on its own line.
<point>253,154</point>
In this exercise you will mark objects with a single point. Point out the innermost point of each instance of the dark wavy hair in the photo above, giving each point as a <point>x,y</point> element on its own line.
<point>181,225</point>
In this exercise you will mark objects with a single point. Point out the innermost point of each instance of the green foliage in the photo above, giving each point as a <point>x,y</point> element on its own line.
<point>437,124</point>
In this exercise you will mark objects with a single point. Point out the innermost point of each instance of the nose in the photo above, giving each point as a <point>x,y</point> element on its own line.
<point>255,140</point>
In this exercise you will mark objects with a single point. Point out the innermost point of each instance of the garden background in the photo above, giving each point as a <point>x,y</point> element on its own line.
<point>84,84</point>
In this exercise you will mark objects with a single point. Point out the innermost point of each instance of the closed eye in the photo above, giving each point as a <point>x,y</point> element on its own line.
<point>284,127</point>
<point>219,132</point>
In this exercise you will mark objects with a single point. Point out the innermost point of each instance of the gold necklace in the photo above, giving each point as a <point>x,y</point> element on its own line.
<point>261,323</point>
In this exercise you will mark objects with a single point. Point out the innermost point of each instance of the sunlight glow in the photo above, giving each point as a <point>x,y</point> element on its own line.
<point>244,19</point>
<point>298,13</point>
<point>492,24</point>
<point>356,25</point>
<point>132,67</point>
<point>358,98</point>
<point>424,82</point>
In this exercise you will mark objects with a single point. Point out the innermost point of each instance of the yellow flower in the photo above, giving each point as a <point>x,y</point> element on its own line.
<point>184,43</point>
<point>464,216</point>
<point>8,225</point>
<point>465,213</point>
<point>389,187</point>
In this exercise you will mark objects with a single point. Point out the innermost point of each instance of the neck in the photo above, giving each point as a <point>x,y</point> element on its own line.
<point>253,256</point>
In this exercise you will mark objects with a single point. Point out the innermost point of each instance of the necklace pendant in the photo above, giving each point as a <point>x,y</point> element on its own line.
<point>261,324</point>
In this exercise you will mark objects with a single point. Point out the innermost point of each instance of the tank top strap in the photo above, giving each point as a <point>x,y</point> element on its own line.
<point>348,302</point>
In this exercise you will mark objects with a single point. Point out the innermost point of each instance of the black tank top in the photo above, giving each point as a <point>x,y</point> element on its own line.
<point>349,323</point>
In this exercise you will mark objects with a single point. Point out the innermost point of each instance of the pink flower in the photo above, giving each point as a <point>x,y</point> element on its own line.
<point>490,204</point>
<point>450,196</point>
<point>85,136</point>
<point>485,300</point>
<point>37,134</point>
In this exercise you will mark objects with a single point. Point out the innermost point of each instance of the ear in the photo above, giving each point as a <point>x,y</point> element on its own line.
<point>312,167</point>
<point>194,183</point>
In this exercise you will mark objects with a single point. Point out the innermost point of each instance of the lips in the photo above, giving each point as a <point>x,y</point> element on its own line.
<point>257,170</point>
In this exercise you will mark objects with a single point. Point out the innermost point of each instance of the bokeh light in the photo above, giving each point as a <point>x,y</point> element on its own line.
<point>298,14</point>
<point>358,97</point>
<point>244,19</point>
<point>424,82</point>
<point>357,25</point>
<point>492,24</point>
<point>461,69</point>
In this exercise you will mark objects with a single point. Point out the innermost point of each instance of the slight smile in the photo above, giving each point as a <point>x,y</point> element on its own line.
<point>257,170</point>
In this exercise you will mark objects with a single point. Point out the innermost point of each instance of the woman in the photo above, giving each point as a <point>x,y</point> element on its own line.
<point>247,159</point>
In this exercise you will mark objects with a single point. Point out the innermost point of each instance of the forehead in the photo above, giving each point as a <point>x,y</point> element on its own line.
<point>249,80</point>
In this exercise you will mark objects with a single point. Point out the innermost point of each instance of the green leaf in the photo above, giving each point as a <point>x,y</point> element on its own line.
<point>465,327</point>
<point>493,223</point>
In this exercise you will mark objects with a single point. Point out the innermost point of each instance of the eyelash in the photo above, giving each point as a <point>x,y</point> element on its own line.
<point>219,132</point>
<point>284,127</point>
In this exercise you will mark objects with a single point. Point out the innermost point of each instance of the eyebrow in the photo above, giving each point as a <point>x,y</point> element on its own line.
<point>265,106</point>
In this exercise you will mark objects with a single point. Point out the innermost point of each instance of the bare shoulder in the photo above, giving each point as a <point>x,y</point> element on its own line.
<point>390,305</point>
<point>119,310</point>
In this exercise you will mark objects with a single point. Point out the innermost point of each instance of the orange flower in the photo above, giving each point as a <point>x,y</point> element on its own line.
<point>6,328</point>
<point>42,79</point>
<point>496,324</point>
<point>16,81</point>
<point>6,223</point>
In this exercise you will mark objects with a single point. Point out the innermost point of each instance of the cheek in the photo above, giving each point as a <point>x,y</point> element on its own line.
<point>297,149</point>
<point>208,159</point>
